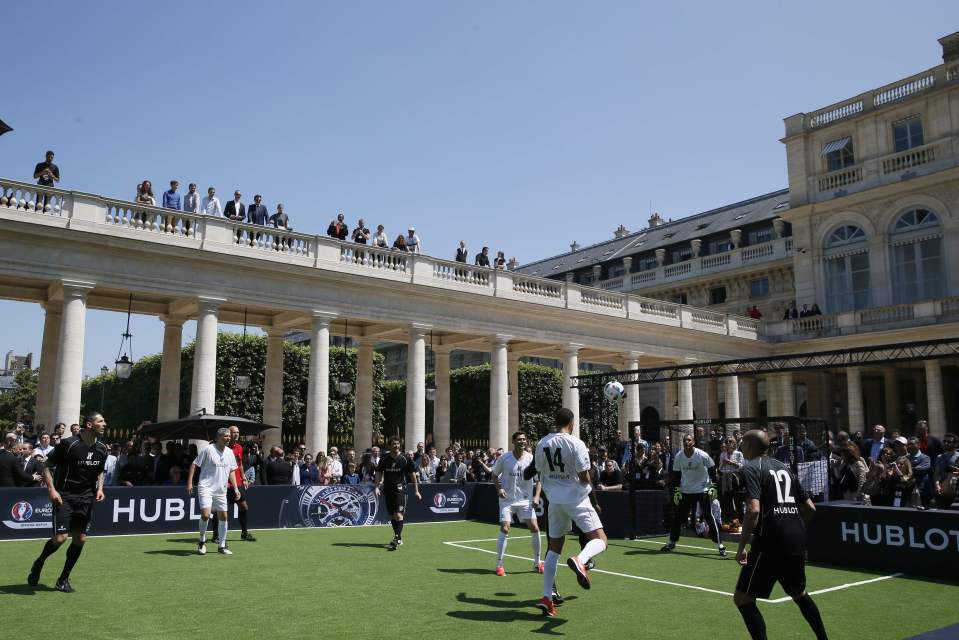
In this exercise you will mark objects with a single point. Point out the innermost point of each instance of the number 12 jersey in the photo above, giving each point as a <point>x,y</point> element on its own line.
<point>781,528</point>
<point>559,459</point>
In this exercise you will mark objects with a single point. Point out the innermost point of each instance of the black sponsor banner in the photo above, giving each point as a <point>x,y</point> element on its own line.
<point>921,543</point>
<point>27,513</point>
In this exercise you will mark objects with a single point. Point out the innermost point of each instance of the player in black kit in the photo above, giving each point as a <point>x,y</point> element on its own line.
<point>776,512</point>
<point>392,473</point>
<point>79,462</point>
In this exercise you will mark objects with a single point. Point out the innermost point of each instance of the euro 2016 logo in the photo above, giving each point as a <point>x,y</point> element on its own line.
<point>21,511</point>
<point>450,501</point>
<point>439,500</point>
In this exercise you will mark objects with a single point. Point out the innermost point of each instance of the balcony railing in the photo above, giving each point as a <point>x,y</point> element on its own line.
<point>778,249</point>
<point>81,212</point>
<point>864,320</point>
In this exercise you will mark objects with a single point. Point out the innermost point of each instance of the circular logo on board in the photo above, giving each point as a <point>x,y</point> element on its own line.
<point>21,511</point>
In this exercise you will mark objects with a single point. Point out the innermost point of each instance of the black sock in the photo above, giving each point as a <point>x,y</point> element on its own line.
<point>811,613</point>
<point>754,621</point>
<point>398,528</point>
<point>396,532</point>
<point>49,549</point>
<point>73,554</point>
<point>243,520</point>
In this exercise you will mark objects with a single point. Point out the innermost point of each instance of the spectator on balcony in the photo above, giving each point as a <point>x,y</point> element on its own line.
<point>413,244</point>
<point>791,313</point>
<point>171,199</point>
<point>400,243</point>
<point>462,253</point>
<point>145,194</point>
<point>754,313</point>
<point>46,173</point>
<point>257,213</point>
<point>191,204</point>
<point>482,258</point>
<point>805,311</point>
<point>338,228</point>
<point>380,239</point>
<point>361,234</point>
<point>500,261</point>
<point>815,311</point>
<point>211,204</point>
<point>235,210</point>
<point>280,220</point>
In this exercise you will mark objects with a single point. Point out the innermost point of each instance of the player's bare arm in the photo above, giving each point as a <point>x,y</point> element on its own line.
<point>189,480</point>
<point>416,486</point>
<point>377,483</point>
<point>231,481</point>
<point>749,524</point>
<point>100,495</point>
<point>51,490</point>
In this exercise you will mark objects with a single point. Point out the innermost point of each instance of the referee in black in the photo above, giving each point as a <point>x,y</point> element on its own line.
<point>776,513</point>
<point>79,462</point>
<point>391,476</point>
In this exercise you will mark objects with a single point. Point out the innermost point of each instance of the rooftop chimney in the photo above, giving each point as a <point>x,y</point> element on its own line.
<point>574,247</point>
<point>621,232</point>
<point>655,220</point>
<point>950,47</point>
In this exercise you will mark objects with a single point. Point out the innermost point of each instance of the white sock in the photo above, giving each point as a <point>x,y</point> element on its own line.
<point>221,529</point>
<point>500,548</point>
<point>537,546</point>
<point>593,548</point>
<point>549,573</point>
<point>203,525</point>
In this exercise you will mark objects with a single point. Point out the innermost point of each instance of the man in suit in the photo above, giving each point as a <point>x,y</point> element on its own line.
<point>277,470</point>
<point>872,448</point>
<point>338,228</point>
<point>31,466</point>
<point>257,214</point>
<point>12,473</point>
<point>234,210</point>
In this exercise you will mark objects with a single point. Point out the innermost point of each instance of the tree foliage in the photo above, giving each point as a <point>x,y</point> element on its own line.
<point>21,400</point>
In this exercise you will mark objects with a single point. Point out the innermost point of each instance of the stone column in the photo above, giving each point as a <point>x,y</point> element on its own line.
<point>787,396</point>
<point>69,373</point>
<point>571,395</point>
<point>751,396</point>
<point>631,405</point>
<point>363,403</point>
<point>891,392</point>
<point>416,386</point>
<point>712,398</point>
<point>512,368</point>
<point>670,401</point>
<point>48,364</point>
<point>934,399</point>
<point>441,406</point>
<point>854,400</point>
<point>203,394</point>
<point>168,403</point>
<point>731,398</point>
<point>498,390</point>
<point>685,397</point>
<point>318,387</point>
<point>273,389</point>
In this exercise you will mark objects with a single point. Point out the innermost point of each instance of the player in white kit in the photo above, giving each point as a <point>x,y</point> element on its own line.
<point>516,496</point>
<point>216,464</point>
<point>563,464</point>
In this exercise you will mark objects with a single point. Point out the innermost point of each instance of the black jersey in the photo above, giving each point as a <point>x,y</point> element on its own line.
<point>78,466</point>
<point>781,528</point>
<point>395,470</point>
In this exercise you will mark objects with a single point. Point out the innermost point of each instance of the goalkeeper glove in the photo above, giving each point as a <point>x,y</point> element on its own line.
<point>677,496</point>
<point>712,492</point>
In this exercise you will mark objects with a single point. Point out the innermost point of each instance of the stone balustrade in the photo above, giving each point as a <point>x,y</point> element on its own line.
<point>863,320</point>
<point>94,214</point>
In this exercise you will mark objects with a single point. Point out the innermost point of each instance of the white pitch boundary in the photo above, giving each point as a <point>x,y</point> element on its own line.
<point>461,544</point>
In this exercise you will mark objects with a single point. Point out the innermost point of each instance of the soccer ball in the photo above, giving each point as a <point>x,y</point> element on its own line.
<point>614,390</point>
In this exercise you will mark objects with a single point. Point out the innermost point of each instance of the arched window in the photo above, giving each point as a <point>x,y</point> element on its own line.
<point>847,269</point>
<point>916,245</point>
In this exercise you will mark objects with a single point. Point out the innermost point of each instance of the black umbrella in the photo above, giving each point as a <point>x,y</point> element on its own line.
<point>200,427</point>
<point>4,127</point>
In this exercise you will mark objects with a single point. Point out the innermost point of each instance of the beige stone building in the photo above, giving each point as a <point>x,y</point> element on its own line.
<point>867,234</point>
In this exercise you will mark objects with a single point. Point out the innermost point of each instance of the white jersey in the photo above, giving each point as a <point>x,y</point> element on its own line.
<point>559,459</point>
<point>510,470</point>
<point>215,468</point>
<point>694,470</point>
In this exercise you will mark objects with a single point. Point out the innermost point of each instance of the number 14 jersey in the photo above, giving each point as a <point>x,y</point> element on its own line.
<point>781,528</point>
<point>559,459</point>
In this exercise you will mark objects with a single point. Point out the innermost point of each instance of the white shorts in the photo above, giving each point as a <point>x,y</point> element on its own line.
<point>523,511</point>
<point>562,517</point>
<point>209,498</point>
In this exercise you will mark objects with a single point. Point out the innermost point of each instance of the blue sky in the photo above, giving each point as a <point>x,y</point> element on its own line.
<point>521,125</point>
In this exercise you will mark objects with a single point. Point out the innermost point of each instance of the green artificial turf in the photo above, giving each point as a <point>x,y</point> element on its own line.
<point>330,582</point>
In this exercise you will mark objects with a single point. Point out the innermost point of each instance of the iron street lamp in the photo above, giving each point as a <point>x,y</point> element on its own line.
<point>124,364</point>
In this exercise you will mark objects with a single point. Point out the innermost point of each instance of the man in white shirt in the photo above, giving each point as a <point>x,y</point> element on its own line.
<point>516,495</point>
<point>413,241</point>
<point>563,465</point>
<point>211,204</point>
<point>336,467</point>
<point>216,464</point>
<point>695,487</point>
<point>44,448</point>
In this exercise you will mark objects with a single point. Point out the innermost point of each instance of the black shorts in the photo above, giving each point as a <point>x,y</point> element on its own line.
<point>763,569</point>
<point>75,514</point>
<point>396,501</point>
<point>231,495</point>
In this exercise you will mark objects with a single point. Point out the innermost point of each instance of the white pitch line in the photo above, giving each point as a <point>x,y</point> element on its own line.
<point>782,600</point>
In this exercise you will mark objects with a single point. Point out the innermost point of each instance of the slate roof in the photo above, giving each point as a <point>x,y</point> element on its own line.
<point>733,216</point>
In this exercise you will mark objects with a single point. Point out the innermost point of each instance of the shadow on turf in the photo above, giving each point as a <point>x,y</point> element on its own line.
<point>678,551</point>
<point>182,553</point>
<point>507,611</point>
<point>369,545</point>
<point>23,589</point>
